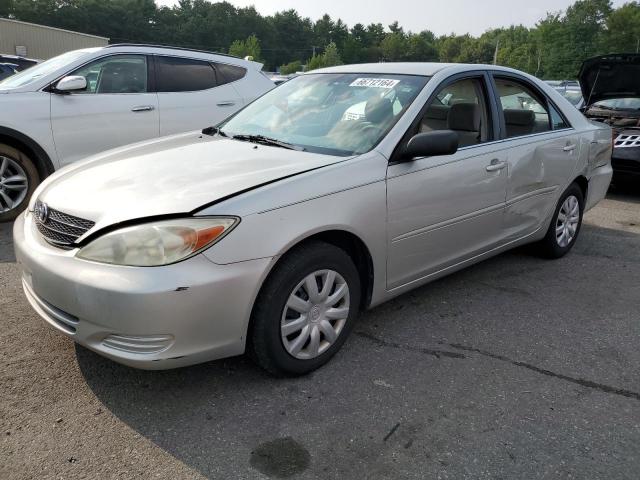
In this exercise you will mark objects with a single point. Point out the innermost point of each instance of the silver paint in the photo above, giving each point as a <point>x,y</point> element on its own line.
<point>417,221</point>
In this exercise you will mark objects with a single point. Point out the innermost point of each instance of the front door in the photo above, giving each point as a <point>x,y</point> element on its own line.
<point>443,210</point>
<point>115,109</point>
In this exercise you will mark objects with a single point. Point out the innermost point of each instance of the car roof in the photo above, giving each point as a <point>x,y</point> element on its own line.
<point>180,52</point>
<point>164,48</point>
<point>400,68</point>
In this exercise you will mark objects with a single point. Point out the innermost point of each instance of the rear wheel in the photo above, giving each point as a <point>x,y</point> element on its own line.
<point>305,310</point>
<point>565,225</point>
<point>18,179</point>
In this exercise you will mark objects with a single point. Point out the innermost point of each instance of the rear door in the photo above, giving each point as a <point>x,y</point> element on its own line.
<point>543,151</point>
<point>192,94</point>
<point>118,107</point>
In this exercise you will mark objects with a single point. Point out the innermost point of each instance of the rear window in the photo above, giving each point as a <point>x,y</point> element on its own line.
<point>229,73</point>
<point>184,75</point>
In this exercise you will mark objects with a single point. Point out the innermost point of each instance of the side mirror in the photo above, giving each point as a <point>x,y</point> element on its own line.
<point>431,144</point>
<point>71,83</point>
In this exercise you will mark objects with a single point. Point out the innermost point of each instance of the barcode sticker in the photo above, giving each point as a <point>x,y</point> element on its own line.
<point>374,82</point>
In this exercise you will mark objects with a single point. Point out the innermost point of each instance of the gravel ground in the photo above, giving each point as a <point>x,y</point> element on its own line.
<point>515,368</point>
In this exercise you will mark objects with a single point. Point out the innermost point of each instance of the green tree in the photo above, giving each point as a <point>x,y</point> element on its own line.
<point>291,67</point>
<point>293,37</point>
<point>623,29</point>
<point>554,48</point>
<point>315,62</point>
<point>394,46</point>
<point>6,6</point>
<point>421,47</point>
<point>246,48</point>
<point>331,56</point>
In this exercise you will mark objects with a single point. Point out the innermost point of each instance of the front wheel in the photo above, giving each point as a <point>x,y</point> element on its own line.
<point>305,310</point>
<point>18,179</point>
<point>565,225</point>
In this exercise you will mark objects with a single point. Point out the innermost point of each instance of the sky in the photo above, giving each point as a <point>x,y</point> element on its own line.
<point>439,16</point>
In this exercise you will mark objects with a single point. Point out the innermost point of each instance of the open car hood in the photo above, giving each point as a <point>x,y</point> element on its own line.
<point>610,76</point>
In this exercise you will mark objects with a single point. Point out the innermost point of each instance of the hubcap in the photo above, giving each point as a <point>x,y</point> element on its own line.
<point>13,184</point>
<point>568,220</point>
<point>315,314</point>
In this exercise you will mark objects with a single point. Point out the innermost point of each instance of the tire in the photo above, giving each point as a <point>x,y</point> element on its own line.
<point>552,246</point>
<point>13,164</point>
<point>269,345</point>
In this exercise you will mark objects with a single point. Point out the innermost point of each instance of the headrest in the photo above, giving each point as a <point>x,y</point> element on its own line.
<point>525,118</point>
<point>437,112</point>
<point>378,110</point>
<point>464,116</point>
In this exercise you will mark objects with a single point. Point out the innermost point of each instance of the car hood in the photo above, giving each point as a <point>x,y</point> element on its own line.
<point>610,76</point>
<point>175,175</point>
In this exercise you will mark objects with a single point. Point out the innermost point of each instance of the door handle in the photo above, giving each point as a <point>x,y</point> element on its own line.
<point>142,108</point>
<point>226,104</point>
<point>569,148</point>
<point>496,165</point>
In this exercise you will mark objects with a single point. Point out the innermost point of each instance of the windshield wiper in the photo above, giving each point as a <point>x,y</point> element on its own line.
<point>261,139</point>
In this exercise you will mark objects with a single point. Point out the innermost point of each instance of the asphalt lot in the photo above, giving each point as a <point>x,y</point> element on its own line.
<point>517,368</point>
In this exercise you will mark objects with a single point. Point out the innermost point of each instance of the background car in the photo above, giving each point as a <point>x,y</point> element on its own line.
<point>611,85</point>
<point>336,191</point>
<point>22,63</point>
<point>278,78</point>
<point>569,89</point>
<point>87,101</point>
<point>7,69</point>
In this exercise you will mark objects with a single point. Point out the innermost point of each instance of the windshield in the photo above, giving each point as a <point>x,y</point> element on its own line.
<point>336,114</point>
<point>37,71</point>
<point>630,103</point>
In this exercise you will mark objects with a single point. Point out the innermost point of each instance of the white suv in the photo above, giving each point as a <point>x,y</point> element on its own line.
<point>87,101</point>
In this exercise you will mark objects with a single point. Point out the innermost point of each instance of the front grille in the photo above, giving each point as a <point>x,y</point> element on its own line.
<point>626,140</point>
<point>58,228</point>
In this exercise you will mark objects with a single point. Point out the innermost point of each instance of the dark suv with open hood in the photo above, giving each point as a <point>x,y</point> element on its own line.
<point>611,88</point>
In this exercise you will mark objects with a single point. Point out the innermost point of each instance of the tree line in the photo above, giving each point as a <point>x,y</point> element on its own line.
<point>553,49</point>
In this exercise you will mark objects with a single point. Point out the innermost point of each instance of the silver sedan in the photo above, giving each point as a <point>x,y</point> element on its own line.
<point>335,192</point>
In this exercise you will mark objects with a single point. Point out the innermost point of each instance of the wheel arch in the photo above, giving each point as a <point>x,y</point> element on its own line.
<point>348,241</point>
<point>583,183</point>
<point>30,147</point>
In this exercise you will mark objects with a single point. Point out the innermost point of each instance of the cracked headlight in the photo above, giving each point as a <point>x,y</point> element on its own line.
<point>157,243</point>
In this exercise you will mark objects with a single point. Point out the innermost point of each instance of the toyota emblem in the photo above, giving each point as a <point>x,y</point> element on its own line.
<point>42,212</point>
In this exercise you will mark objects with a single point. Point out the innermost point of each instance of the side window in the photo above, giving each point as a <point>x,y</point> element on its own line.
<point>557,121</point>
<point>524,113</point>
<point>461,107</point>
<point>229,73</point>
<point>184,74</point>
<point>115,74</point>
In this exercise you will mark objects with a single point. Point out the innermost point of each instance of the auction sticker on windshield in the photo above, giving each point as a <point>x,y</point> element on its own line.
<point>374,82</point>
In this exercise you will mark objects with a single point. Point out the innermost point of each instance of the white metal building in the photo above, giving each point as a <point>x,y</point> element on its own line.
<point>40,42</point>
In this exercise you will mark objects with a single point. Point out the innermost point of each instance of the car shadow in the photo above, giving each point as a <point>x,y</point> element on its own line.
<point>6,243</point>
<point>625,189</point>
<point>229,419</point>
